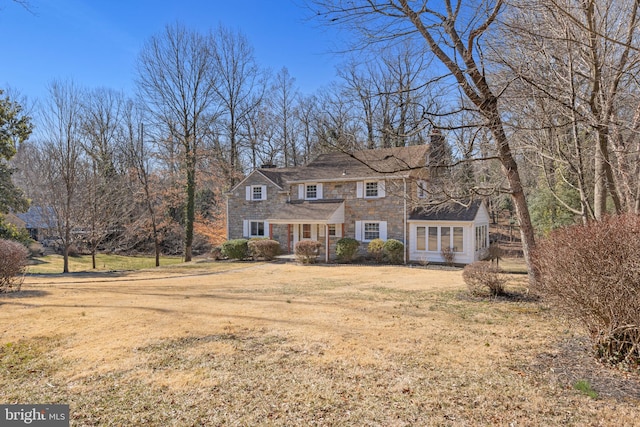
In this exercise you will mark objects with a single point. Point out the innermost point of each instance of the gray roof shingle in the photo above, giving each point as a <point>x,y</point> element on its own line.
<point>446,212</point>
<point>359,164</point>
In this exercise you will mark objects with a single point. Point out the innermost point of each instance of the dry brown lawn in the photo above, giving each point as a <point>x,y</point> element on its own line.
<point>282,344</point>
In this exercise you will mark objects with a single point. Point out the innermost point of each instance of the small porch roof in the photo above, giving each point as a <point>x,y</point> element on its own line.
<point>310,211</point>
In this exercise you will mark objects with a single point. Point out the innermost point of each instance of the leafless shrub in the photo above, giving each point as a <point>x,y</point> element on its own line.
<point>449,255</point>
<point>591,273</point>
<point>307,251</point>
<point>13,263</point>
<point>264,248</point>
<point>482,278</point>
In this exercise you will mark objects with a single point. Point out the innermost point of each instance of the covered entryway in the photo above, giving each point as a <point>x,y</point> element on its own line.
<point>320,220</point>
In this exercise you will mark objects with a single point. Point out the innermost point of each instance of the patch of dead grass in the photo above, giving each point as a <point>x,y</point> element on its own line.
<point>282,344</point>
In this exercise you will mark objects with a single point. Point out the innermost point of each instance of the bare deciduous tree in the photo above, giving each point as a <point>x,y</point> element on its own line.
<point>239,89</point>
<point>177,79</point>
<point>573,64</point>
<point>452,31</point>
<point>58,162</point>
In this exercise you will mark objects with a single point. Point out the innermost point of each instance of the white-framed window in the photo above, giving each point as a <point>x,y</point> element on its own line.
<point>482,241</point>
<point>257,229</point>
<point>370,189</point>
<point>421,238</point>
<point>421,189</point>
<point>369,230</point>
<point>310,191</point>
<point>331,229</point>
<point>254,228</point>
<point>256,192</point>
<point>439,238</point>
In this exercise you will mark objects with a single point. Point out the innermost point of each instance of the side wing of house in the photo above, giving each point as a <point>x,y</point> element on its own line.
<point>462,229</point>
<point>250,204</point>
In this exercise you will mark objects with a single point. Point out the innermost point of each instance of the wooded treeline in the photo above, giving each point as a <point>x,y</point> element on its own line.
<point>538,102</point>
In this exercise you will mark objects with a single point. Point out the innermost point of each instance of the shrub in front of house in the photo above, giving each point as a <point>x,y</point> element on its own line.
<point>346,249</point>
<point>394,251</point>
<point>591,274</point>
<point>266,249</point>
<point>13,263</point>
<point>307,251</point>
<point>448,255</point>
<point>375,248</point>
<point>483,278</point>
<point>236,249</point>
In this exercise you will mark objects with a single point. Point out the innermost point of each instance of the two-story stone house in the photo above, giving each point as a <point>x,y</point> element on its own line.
<point>366,195</point>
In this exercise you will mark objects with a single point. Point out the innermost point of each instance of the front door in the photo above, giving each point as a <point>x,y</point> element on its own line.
<point>304,232</point>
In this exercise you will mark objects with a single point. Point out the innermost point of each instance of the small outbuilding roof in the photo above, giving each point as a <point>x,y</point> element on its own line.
<point>447,212</point>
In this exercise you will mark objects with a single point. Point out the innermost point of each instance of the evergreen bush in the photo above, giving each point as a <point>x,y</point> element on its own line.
<point>236,249</point>
<point>394,251</point>
<point>346,249</point>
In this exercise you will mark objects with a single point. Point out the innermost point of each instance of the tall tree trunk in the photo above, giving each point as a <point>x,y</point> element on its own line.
<point>190,206</point>
<point>510,170</point>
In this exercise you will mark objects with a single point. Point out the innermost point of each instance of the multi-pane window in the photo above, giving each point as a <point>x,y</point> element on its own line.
<point>371,230</point>
<point>257,228</point>
<point>371,189</point>
<point>306,231</point>
<point>439,238</point>
<point>312,191</point>
<point>422,189</point>
<point>331,229</point>
<point>481,238</point>
<point>256,192</point>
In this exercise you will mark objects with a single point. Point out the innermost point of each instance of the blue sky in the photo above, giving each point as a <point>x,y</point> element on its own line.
<point>96,42</point>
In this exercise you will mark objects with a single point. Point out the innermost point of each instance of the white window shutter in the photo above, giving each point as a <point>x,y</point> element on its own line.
<point>321,230</point>
<point>359,231</point>
<point>248,190</point>
<point>301,194</point>
<point>338,230</point>
<point>360,189</point>
<point>383,230</point>
<point>319,191</point>
<point>264,192</point>
<point>381,189</point>
<point>267,230</point>
<point>245,228</point>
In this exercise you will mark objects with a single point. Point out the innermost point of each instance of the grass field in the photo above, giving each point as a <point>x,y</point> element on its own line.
<point>223,343</point>
<point>52,264</point>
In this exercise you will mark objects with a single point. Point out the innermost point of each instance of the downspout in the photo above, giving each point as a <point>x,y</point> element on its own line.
<point>404,221</point>
<point>228,222</point>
